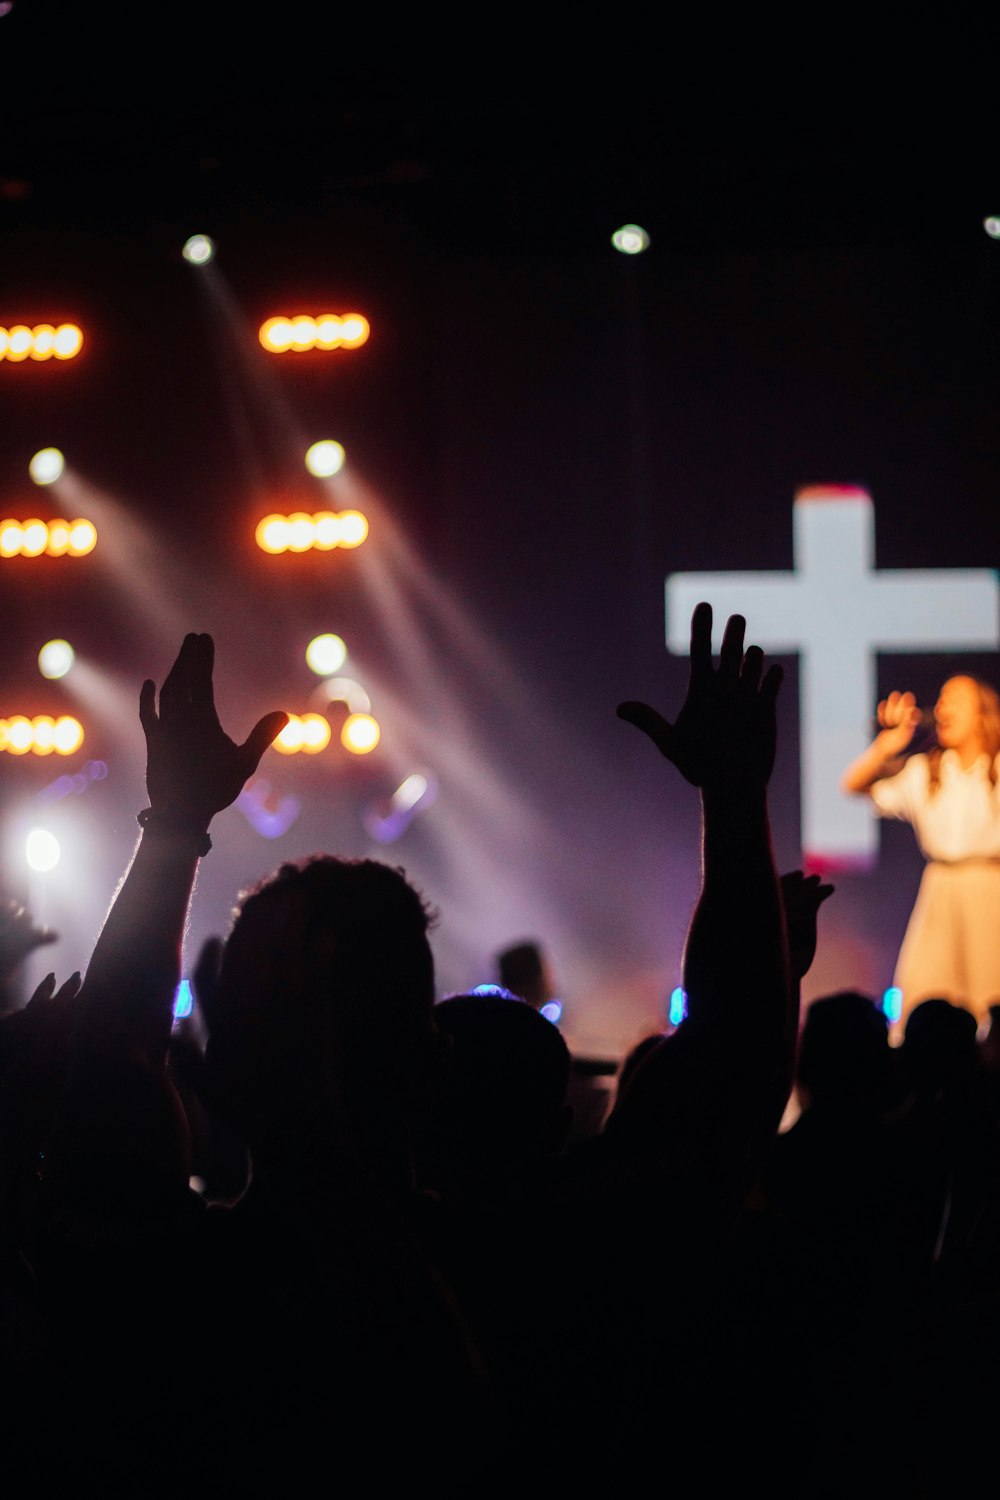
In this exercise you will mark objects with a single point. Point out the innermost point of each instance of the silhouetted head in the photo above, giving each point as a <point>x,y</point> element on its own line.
<point>939,1045</point>
<point>503,1098</point>
<point>325,993</point>
<point>844,1056</point>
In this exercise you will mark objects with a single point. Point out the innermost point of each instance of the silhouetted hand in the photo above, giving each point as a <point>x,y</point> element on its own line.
<point>725,731</point>
<point>802,896</point>
<point>193,768</point>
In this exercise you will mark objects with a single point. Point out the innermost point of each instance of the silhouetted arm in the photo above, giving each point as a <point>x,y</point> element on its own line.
<point>715,1089</point>
<point>193,770</point>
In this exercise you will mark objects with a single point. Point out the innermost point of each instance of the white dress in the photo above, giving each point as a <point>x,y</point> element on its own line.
<point>952,943</point>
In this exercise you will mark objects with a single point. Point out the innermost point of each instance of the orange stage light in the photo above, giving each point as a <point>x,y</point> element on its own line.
<point>58,538</point>
<point>41,735</point>
<point>298,532</point>
<point>41,342</point>
<point>280,334</point>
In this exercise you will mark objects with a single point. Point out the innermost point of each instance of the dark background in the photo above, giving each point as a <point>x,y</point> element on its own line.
<point>540,429</point>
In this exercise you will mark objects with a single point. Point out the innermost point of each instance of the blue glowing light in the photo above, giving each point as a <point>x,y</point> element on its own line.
<point>65,786</point>
<point>892,1003</point>
<point>183,1000</point>
<point>678,1006</point>
<point>552,1011</point>
<point>268,814</point>
<point>493,989</point>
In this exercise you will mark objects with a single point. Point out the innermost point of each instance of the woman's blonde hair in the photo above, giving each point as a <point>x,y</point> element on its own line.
<point>989,719</point>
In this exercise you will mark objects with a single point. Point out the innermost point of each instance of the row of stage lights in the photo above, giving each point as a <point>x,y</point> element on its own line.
<point>295,533</point>
<point>56,538</point>
<point>44,341</point>
<point>298,532</point>
<point>311,733</point>
<point>42,735</point>
<point>329,331</point>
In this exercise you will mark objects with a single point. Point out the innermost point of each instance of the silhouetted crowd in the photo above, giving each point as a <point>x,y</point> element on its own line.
<point>329,1236</point>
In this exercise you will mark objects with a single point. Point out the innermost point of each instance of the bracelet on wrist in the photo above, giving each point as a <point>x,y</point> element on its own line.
<point>162,820</point>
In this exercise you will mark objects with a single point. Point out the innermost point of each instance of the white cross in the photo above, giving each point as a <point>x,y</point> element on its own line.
<point>837,610</point>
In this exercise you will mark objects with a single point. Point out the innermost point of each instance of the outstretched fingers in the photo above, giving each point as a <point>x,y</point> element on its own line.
<point>147,708</point>
<point>701,643</point>
<point>264,733</point>
<point>652,724</point>
<point>202,664</point>
<point>731,655</point>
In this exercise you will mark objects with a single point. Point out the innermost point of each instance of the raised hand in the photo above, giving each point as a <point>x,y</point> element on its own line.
<point>802,896</point>
<point>193,768</point>
<point>899,717</point>
<point>725,731</point>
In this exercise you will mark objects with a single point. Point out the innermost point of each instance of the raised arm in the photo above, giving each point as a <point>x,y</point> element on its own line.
<point>193,771</point>
<point>723,1076</point>
<point>899,717</point>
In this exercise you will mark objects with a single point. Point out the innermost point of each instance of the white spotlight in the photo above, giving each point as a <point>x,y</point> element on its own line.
<point>325,458</point>
<point>630,239</point>
<point>41,850</point>
<point>56,658</point>
<point>992,226</point>
<point>198,250</point>
<point>47,466</point>
<point>326,654</point>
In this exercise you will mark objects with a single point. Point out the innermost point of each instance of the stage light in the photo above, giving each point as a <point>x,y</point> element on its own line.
<point>354,331</point>
<point>496,990</point>
<point>18,735</point>
<point>315,733</point>
<point>41,342</point>
<point>325,654</point>
<point>353,528</point>
<point>32,538</point>
<point>289,741</point>
<point>360,734</point>
<point>46,466</point>
<point>329,331</point>
<point>45,734</point>
<point>41,850</point>
<point>82,538</point>
<point>55,658</point>
<point>68,735</point>
<point>326,529</point>
<point>300,532</point>
<point>198,250</point>
<point>183,1000</point>
<point>325,458</point>
<point>68,341</point>
<point>678,1006</point>
<point>892,1004</point>
<point>309,733</point>
<point>19,341</point>
<point>552,1011</point>
<point>992,226</point>
<point>271,534</point>
<point>630,239</point>
<point>59,534</point>
<point>276,335</point>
